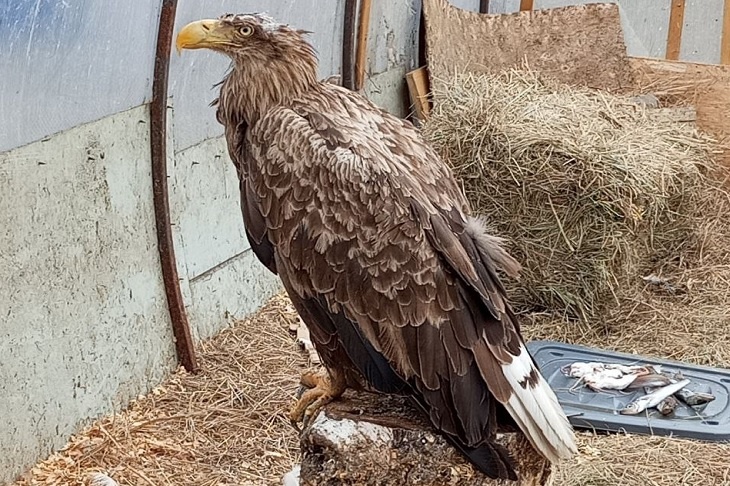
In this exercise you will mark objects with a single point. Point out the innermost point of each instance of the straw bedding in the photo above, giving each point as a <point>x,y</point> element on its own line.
<point>227,425</point>
<point>588,187</point>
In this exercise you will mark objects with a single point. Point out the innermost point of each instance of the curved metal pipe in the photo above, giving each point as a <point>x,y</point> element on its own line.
<point>158,145</point>
<point>348,44</point>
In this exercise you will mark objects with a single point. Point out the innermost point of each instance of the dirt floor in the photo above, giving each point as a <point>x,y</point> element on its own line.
<point>227,425</point>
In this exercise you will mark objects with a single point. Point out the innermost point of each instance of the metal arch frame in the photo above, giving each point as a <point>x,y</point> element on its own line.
<point>348,45</point>
<point>158,146</point>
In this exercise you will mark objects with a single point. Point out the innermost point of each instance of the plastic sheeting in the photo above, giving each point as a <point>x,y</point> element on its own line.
<point>193,74</point>
<point>66,62</point>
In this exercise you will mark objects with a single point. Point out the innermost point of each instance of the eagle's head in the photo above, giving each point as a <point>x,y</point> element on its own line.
<point>272,62</point>
<point>247,38</point>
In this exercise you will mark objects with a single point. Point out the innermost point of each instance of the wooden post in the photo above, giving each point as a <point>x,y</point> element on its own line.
<point>361,55</point>
<point>725,39</point>
<point>674,36</point>
<point>526,5</point>
<point>348,44</point>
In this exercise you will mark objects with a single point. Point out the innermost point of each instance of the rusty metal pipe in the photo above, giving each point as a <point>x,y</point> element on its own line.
<point>158,146</point>
<point>348,44</point>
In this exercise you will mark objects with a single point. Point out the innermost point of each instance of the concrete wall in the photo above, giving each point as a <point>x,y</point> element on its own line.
<point>220,274</point>
<point>84,324</point>
<point>393,43</point>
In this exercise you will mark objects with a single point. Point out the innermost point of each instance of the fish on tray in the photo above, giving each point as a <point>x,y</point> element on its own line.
<point>613,370</point>
<point>653,399</point>
<point>668,405</point>
<point>691,397</point>
<point>664,391</point>
<point>612,376</point>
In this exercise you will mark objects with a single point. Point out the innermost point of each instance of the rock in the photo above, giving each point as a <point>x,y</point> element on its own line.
<point>367,439</point>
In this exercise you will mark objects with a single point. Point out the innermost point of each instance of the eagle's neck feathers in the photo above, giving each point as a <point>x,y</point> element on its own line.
<point>258,83</point>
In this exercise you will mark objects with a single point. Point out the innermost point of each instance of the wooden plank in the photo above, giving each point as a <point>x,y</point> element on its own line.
<point>526,5</point>
<point>418,91</point>
<point>674,35</point>
<point>704,86</point>
<point>725,41</point>
<point>362,44</point>
<point>578,45</point>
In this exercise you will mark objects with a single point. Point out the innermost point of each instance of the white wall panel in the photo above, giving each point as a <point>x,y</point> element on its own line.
<point>67,62</point>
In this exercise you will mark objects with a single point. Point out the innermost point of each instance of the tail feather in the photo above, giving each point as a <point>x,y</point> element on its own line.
<point>490,458</point>
<point>535,408</point>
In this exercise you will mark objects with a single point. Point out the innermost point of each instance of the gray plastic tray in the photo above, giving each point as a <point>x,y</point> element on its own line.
<point>599,411</point>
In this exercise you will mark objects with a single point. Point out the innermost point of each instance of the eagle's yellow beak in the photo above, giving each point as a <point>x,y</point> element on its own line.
<point>200,34</point>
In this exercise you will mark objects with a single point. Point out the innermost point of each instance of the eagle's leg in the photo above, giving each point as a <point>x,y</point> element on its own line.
<point>323,388</point>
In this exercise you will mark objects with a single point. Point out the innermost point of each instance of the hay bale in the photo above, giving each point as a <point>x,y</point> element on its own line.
<point>588,187</point>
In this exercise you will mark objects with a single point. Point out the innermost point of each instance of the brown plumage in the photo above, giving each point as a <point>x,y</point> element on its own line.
<point>373,241</point>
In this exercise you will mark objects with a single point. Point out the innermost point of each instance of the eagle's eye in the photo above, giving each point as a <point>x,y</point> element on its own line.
<point>246,30</point>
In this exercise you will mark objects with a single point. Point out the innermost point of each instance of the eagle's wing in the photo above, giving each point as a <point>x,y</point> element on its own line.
<point>373,242</point>
<point>254,223</point>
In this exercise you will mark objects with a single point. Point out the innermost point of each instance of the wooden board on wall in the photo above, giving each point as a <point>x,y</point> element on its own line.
<point>704,86</point>
<point>418,90</point>
<point>579,45</point>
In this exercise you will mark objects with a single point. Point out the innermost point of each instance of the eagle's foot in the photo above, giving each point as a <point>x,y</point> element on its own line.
<point>322,389</point>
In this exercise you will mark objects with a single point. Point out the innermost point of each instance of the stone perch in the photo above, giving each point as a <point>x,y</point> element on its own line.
<point>366,439</point>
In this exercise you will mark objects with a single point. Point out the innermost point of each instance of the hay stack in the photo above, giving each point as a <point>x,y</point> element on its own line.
<point>588,187</point>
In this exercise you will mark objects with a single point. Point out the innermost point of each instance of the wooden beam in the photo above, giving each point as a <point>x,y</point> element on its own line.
<point>361,55</point>
<point>725,40</point>
<point>484,6</point>
<point>674,36</point>
<point>526,5</point>
<point>418,90</point>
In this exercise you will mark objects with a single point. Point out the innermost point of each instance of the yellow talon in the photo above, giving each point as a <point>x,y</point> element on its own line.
<point>322,389</point>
